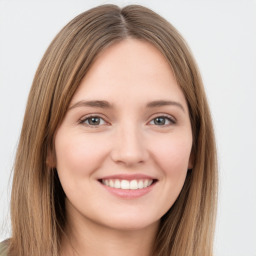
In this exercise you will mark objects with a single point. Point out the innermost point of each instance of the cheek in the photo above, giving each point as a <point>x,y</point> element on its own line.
<point>172,155</point>
<point>78,155</point>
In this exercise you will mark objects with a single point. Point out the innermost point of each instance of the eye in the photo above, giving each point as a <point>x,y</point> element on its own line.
<point>162,121</point>
<point>93,121</point>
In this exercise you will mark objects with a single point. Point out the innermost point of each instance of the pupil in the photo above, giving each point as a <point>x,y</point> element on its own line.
<point>94,120</point>
<point>159,121</point>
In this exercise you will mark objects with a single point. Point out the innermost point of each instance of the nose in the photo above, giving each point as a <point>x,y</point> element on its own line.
<point>129,146</point>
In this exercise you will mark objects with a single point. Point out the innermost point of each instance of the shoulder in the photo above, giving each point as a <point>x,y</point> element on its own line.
<point>3,248</point>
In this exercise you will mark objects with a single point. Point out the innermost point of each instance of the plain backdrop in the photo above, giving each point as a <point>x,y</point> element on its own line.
<point>222,36</point>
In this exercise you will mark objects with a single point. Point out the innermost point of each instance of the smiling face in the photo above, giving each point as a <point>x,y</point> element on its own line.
<point>123,148</point>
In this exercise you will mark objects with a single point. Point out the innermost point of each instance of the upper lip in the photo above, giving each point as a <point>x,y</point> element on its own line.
<point>128,177</point>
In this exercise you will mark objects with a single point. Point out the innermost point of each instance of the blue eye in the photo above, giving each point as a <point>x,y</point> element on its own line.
<point>162,120</point>
<point>93,121</point>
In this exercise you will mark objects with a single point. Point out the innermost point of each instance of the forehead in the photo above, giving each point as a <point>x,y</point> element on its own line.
<point>129,69</point>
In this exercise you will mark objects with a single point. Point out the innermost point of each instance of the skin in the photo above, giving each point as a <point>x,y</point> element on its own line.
<point>127,139</point>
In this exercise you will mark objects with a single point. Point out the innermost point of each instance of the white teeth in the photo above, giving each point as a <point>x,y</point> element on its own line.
<point>117,184</point>
<point>126,184</point>
<point>134,184</point>
<point>111,183</point>
<point>140,184</point>
<point>145,183</point>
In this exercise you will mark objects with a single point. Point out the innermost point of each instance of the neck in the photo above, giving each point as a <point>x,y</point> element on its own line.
<point>85,237</point>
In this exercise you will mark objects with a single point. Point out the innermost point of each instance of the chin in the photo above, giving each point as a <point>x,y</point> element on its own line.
<point>130,223</point>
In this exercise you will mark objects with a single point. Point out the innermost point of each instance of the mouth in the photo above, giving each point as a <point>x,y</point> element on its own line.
<point>124,184</point>
<point>134,184</point>
<point>128,186</point>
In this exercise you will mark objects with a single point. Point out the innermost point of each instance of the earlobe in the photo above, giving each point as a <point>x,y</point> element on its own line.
<point>190,166</point>
<point>50,159</point>
<point>191,161</point>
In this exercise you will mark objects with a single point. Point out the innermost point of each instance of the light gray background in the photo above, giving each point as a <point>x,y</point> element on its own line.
<point>222,36</point>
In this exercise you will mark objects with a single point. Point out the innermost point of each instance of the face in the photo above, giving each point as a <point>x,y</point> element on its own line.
<point>123,148</point>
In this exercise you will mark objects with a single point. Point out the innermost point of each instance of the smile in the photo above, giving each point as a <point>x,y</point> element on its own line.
<point>127,184</point>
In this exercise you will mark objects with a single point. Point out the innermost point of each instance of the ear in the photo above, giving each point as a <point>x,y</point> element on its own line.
<point>51,159</point>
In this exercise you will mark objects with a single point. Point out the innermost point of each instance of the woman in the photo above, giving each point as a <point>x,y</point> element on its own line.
<point>117,152</point>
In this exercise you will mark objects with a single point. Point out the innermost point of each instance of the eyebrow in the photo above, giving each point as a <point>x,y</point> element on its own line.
<point>105,104</point>
<point>160,103</point>
<point>92,103</point>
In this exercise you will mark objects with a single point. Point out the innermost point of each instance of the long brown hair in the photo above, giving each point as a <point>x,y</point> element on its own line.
<point>37,202</point>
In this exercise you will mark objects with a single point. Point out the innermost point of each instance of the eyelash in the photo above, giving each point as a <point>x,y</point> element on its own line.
<point>83,120</point>
<point>170,119</point>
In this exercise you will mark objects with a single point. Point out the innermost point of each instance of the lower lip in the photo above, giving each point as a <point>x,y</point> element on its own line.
<point>129,193</point>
